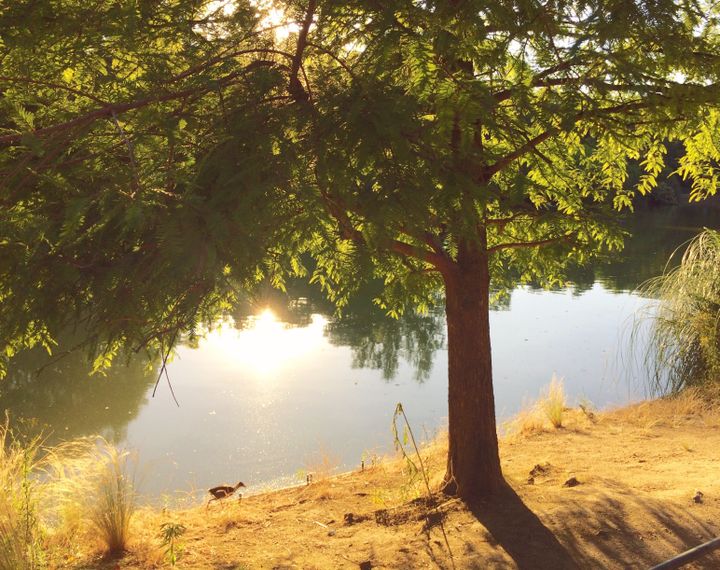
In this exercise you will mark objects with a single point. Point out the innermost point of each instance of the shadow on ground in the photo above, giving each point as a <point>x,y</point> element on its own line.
<point>606,527</point>
<point>521,533</point>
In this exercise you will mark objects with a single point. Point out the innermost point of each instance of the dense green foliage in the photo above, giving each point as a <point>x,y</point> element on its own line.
<point>158,157</point>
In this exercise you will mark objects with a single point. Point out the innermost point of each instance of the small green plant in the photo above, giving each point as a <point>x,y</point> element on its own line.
<point>170,534</point>
<point>378,497</point>
<point>553,403</point>
<point>414,469</point>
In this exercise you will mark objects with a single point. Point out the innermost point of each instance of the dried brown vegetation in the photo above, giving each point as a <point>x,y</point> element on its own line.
<point>636,469</point>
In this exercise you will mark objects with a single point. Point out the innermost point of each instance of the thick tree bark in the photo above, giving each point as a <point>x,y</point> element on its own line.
<point>473,469</point>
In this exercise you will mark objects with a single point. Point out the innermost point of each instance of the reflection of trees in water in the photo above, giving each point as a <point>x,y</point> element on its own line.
<point>654,236</point>
<point>64,397</point>
<point>379,342</point>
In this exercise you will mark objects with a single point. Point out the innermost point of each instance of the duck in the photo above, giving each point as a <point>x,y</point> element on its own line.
<point>224,491</point>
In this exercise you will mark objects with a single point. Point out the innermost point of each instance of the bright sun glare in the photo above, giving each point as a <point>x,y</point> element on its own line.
<point>271,17</point>
<point>266,346</point>
<point>277,19</point>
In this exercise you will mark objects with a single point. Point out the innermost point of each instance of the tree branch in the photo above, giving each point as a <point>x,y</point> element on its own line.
<point>296,88</point>
<point>527,244</point>
<point>337,211</point>
<point>67,88</point>
<point>529,146</point>
<point>221,58</point>
<point>335,58</point>
<point>118,108</point>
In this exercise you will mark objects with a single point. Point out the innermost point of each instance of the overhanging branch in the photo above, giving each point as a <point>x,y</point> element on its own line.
<point>348,231</point>
<point>530,145</point>
<point>295,87</point>
<point>529,244</point>
<point>107,111</point>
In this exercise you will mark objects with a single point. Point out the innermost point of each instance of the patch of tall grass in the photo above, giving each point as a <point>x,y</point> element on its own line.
<point>684,341</point>
<point>54,498</point>
<point>13,548</point>
<point>553,402</point>
<point>322,464</point>
<point>533,417</point>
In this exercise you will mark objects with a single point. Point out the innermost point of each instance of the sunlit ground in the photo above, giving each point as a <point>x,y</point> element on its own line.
<point>266,345</point>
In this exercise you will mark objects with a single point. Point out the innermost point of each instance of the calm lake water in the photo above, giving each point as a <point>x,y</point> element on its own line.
<point>269,395</point>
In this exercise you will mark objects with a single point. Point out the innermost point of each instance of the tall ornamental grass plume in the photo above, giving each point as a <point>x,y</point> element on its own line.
<point>68,473</point>
<point>684,326</point>
<point>113,499</point>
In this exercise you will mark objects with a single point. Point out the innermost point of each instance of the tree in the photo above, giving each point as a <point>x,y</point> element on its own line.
<point>159,157</point>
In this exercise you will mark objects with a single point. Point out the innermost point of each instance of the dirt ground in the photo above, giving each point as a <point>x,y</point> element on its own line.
<point>638,471</point>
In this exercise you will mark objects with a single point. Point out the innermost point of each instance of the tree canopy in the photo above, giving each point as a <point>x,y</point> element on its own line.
<point>159,156</point>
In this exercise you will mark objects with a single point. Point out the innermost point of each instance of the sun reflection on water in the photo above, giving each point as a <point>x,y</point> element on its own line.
<point>265,345</point>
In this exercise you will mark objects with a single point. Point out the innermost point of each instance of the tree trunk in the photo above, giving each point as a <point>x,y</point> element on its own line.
<point>473,469</point>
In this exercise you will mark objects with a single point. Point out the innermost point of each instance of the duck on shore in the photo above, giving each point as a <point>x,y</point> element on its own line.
<point>223,492</point>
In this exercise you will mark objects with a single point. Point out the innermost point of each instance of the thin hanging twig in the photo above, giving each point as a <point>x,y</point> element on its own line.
<point>163,368</point>
<point>172,392</point>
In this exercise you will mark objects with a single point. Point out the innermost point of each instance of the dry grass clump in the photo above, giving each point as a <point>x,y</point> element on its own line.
<point>322,464</point>
<point>13,549</point>
<point>113,501</point>
<point>89,488</point>
<point>534,416</point>
<point>701,404</point>
<point>553,402</point>
<point>527,421</point>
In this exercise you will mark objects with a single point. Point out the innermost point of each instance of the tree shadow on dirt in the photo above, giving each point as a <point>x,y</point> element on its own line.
<point>629,529</point>
<point>521,533</point>
<point>614,528</point>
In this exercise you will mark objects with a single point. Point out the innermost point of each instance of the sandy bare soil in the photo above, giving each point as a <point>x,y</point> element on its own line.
<point>638,471</point>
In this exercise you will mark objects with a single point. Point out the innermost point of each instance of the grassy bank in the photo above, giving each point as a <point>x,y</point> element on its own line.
<point>60,503</point>
<point>633,502</point>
